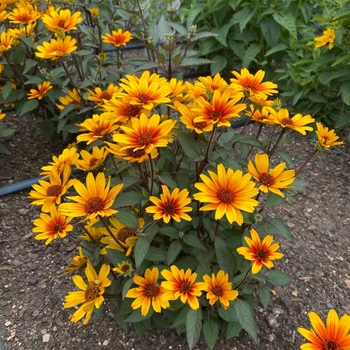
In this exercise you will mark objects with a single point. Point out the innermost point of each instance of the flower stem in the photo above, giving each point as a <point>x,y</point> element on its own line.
<point>270,152</point>
<point>244,278</point>
<point>104,223</point>
<point>307,161</point>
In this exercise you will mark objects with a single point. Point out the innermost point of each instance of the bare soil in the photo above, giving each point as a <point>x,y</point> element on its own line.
<point>32,285</point>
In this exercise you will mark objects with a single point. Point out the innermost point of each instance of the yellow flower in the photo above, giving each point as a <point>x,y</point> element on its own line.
<point>182,284</point>
<point>129,154</point>
<point>170,205</point>
<point>94,11</point>
<point>56,49</point>
<point>264,115</point>
<point>92,232</point>
<point>73,97</point>
<point>121,110</point>
<point>62,20</point>
<point>101,96</point>
<point>52,226</point>
<point>24,13</point>
<point>6,41</point>
<point>2,115</point>
<point>328,37</point>
<point>228,193</point>
<point>296,123</point>
<point>252,84</point>
<point>333,336</point>
<point>93,160</point>
<point>49,193</point>
<point>177,90</point>
<point>77,262</point>
<point>145,133</point>
<point>98,126</point>
<point>90,295</point>
<point>96,198</point>
<point>3,15</point>
<point>118,38</point>
<point>222,107</point>
<point>261,253</point>
<point>124,268</point>
<point>218,288</point>
<point>213,84</point>
<point>270,179</point>
<point>326,138</point>
<point>148,293</point>
<point>42,90</point>
<point>195,91</point>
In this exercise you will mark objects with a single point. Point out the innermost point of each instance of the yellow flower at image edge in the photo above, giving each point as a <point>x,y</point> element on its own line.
<point>326,138</point>
<point>148,293</point>
<point>96,198</point>
<point>55,49</point>
<point>332,336</point>
<point>261,253</point>
<point>328,37</point>
<point>181,284</point>
<point>228,192</point>
<point>91,294</point>
<point>170,205</point>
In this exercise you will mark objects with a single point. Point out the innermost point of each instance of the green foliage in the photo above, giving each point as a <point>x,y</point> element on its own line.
<point>4,132</point>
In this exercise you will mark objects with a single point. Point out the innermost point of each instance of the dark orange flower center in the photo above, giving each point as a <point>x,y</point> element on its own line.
<point>125,233</point>
<point>261,254</point>
<point>185,287</point>
<point>93,205</point>
<point>54,190</point>
<point>132,111</point>
<point>117,39</point>
<point>61,23</point>
<point>125,268</point>
<point>150,290</point>
<point>217,290</point>
<point>287,121</point>
<point>143,98</point>
<point>56,228</point>
<point>99,131</point>
<point>105,95</point>
<point>200,125</point>
<point>249,86</point>
<point>144,139</point>
<point>225,195</point>
<point>266,179</point>
<point>330,345</point>
<point>93,161</point>
<point>135,154</point>
<point>215,115</point>
<point>169,208</point>
<point>92,291</point>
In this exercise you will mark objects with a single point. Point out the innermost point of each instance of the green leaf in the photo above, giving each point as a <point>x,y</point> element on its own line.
<point>179,28</point>
<point>203,35</point>
<point>345,92</point>
<point>126,287</point>
<point>136,316</point>
<point>276,226</point>
<point>287,21</point>
<point>211,330</point>
<point>227,261</point>
<point>6,90</point>
<point>222,32</point>
<point>192,61</point>
<point>192,240</point>
<point>273,200</point>
<point>245,317</point>
<point>277,48</point>
<point>115,257</point>
<point>193,327</point>
<point>229,314</point>
<point>233,329</point>
<point>242,17</point>
<point>271,30</point>
<point>4,150</point>
<point>189,146</point>
<point>167,179</point>
<point>285,156</point>
<point>140,251</point>
<point>278,278</point>
<point>156,254</point>
<point>265,296</point>
<point>173,251</point>
<point>180,319</point>
<point>169,231</point>
<point>126,217</point>
<point>250,53</point>
<point>343,13</point>
<point>29,106</point>
<point>127,199</point>
<point>219,63</point>
<point>146,66</point>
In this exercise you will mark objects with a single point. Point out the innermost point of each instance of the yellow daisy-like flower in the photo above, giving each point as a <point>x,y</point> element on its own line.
<point>196,90</point>
<point>24,13</point>
<point>62,20</point>
<point>52,226</point>
<point>252,84</point>
<point>98,126</point>
<point>271,179</point>
<point>49,193</point>
<point>94,11</point>
<point>146,91</point>
<point>93,233</point>
<point>126,237</point>
<point>26,30</point>
<point>124,268</point>
<point>93,160</point>
<point>220,109</point>
<point>101,96</point>
<point>296,123</point>
<point>213,84</point>
<point>148,293</point>
<point>170,205</point>
<point>326,138</point>
<point>260,101</point>
<point>73,97</point>
<point>6,41</point>
<point>261,253</point>
<point>40,92</point>
<point>181,284</point>
<point>332,336</point>
<point>118,38</point>
<point>263,115</point>
<point>96,198</point>
<point>66,159</point>
<point>178,88</point>
<point>328,37</point>
<point>3,15</point>
<point>90,295</point>
<point>77,262</point>
<point>145,133</point>
<point>228,193</point>
<point>2,115</point>
<point>55,49</point>
<point>218,288</point>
